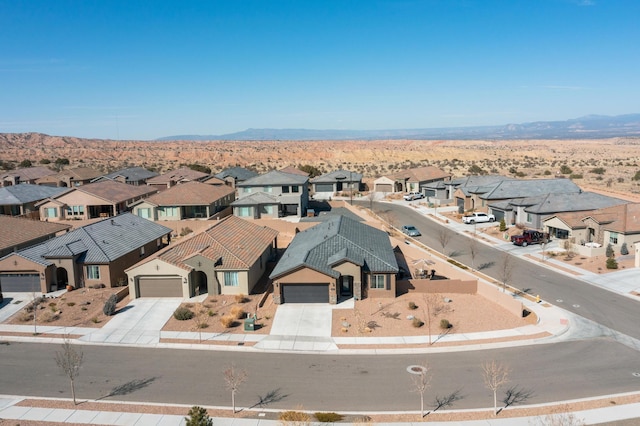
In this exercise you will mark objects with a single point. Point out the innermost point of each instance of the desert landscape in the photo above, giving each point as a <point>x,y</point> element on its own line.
<point>606,164</point>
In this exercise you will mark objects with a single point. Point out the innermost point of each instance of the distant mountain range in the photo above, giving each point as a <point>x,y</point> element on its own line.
<point>588,127</point>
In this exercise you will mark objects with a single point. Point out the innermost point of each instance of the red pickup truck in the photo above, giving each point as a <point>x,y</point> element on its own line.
<point>530,236</point>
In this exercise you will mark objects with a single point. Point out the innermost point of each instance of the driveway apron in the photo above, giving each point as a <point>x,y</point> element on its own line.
<point>138,323</point>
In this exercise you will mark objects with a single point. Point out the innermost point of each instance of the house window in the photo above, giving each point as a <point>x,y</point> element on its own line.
<point>231,279</point>
<point>75,210</point>
<point>295,189</point>
<point>244,211</point>
<point>268,189</point>
<point>613,238</point>
<point>285,189</point>
<point>378,281</point>
<point>246,190</point>
<point>529,218</point>
<point>51,212</point>
<point>158,242</point>
<point>144,213</point>
<point>93,272</point>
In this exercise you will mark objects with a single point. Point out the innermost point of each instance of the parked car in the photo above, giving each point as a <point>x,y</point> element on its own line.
<point>530,236</point>
<point>478,217</point>
<point>413,196</point>
<point>411,230</point>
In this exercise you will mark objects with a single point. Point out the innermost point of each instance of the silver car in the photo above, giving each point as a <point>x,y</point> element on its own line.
<point>411,230</point>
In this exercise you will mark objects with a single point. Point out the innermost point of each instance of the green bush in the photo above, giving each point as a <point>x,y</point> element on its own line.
<point>417,322</point>
<point>198,416</point>
<point>609,251</point>
<point>624,250</point>
<point>503,225</point>
<point>445,324</point>
<point>612,263</point>
<point>328,417</point>
<point>576,176</point>
<point>110,305</point>
<point>183,314</point>
<point>294,416</point>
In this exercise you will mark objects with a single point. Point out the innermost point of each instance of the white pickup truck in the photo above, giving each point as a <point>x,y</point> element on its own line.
<point>478,217</point>
<point>413,196</point>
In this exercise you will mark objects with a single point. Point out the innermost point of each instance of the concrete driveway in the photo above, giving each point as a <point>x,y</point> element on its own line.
<point>139,322</point>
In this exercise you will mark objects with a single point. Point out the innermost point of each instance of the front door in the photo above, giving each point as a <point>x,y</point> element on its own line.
<point>346,286</point>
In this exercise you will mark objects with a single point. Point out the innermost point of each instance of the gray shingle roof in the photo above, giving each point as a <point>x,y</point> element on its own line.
<point>323,216</point>
<point>338,176</point>
<point>528,188</point>
<point>238,173</point>
<point>555,203</point>
<point>275,177</point>
<point>99,242</point>
<point>339,238</point>
<point>27,193</point>
<point>255,199</point>
<point>132,174</point>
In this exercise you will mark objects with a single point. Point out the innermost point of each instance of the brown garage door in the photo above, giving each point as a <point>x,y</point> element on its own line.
<point>160,287</point>
<point>384,187</point>
<point>305,293</point>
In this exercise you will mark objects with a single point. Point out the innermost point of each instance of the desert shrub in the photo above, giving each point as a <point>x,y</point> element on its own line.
<point>71,304</point>
<point>53,306</point>
<point>624,250</point>
<point>417,322</point>
<point>202,325</point>
<point>503,225</point>
<point>110,305</point>
<point>565,170</point>
<point>612,263</point>
<point>95,320</point>
<point>49,316</point>
<point>456,263</point>
<point>198,416</point>
<point>185,231</point>
<point>211,313</point>
<point>34,303</point>
<point>241,298</point>
<point>83,308</point>
<point>328,417</point>
<point>227,321</point>
<point>25,316</point>
<point>575,176</point>
<point>445,324</point>
<point>609,251</point>
<point>298,417</point>
<point>237,312</point>
<point>183,313</point>
<point>412,306</point>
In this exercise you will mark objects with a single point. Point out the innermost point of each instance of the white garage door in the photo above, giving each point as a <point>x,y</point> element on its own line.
<point>159,287</point>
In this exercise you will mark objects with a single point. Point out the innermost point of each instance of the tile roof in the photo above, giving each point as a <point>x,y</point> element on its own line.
<point>115,192</point>
<point>15,231</point>
<point>78,173</point>
<point>323,245</point>
<point>275,177</point>
<point>28,173</point>
<point>624,218</point>
<point>419,174</point>
<point>132,174</point>
<point>233,243</point>
<point>338,176</point>
<point>178,175</point>
<point>190,194</point>
<point>100,242</point>
<point>238,173</point>
<point>27,193</point>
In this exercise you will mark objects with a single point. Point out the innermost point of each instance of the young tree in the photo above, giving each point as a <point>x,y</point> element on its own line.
<point>444,236</point>
<point>495,375</point>
<point>433,307</point>
<point>200,319</point>
<point>421,379</point>
<point>70,360</point>
<point>233,379</point>
<point>198,416</point>
<point>505,270</point>
<point>473,251</point>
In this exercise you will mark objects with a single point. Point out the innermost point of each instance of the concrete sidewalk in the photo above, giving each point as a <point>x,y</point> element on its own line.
<point>9,410</point>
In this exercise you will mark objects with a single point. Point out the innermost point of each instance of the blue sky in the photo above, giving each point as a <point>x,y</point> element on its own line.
<point>145,69</point>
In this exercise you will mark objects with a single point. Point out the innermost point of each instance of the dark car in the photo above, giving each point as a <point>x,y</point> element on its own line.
<point>411,230</point>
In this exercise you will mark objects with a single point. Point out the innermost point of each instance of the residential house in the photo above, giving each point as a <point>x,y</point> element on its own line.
<point>294,170</point>
<point>229,257</point>
<point>273,194</point>
<point>175,177</point>
<point>335,260</point>
<point>26,175</point>
<point>234,175</point>
<point>336,181</point>
<point>20,200</point>
<point>131,176</point>
<point>91,255</point>
<point>615,225</point>
<point>99,199</point>
<point>17,233</point>
<point>212,180</point>
<point>410,180</point>
<point>70,177</point>
<point>464,190</point>
<point>191,200</point>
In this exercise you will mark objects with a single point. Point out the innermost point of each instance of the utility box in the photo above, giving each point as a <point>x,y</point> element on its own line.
<point>249,324</point>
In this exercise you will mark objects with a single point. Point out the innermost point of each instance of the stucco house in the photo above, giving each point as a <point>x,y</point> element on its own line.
<point>26,175</point>
<point>176,177</point>
<point>131,176</point>
<point>273,194</point>
<point>234,175</point>
<point>410,180</point>
<point>94,254</point>
<point>335,260</point>
<point>99,199</point>
<point>229,257</point>
<point>336,181</point>
<point>70,177</point>
<point>191,200</point>
<point>22,199</point>
<point>17,233</point>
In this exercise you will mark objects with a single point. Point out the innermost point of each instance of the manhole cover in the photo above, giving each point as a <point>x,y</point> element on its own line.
<point>416,369</point>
